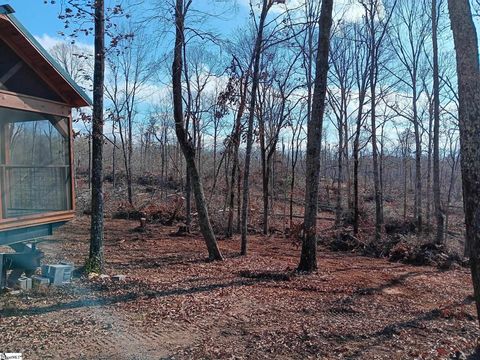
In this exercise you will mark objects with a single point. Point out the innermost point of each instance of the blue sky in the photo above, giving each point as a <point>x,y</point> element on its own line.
<point>37,17</point>
<point>42,19</point>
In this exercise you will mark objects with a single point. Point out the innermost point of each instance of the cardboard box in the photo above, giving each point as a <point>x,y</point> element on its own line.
<point>59,274</point>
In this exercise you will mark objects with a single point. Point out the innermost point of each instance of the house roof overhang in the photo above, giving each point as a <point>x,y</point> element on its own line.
<point>25,44</point>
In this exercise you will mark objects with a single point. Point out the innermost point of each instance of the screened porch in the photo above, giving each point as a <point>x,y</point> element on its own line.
<point>35,172</point>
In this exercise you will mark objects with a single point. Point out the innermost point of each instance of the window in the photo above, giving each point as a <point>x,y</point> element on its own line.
<point>35,163</point>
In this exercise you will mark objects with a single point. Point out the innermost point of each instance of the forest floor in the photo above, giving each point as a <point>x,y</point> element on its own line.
<point>175,305</point>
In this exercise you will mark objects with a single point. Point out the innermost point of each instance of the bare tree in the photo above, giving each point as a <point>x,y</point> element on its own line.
<point>377,29</point>
<point>76,60</point>
<point>130,68</point>
<point>340,95</point>
<point>466,47</point>
<point>439,236</point>
<point>96,258</point>
<point>408,41</point>
<point>275,106</point>
<point>453,159</point>
<point>236,93</point>
<point>186,144</point>
<point>361,68</point>
<point>257,52</point>
<point>308,257</point>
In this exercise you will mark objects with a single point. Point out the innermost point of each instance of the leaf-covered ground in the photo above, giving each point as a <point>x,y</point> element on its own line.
<point>176,305</point>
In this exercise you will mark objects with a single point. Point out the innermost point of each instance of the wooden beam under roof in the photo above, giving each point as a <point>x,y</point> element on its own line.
<point>30,51</point>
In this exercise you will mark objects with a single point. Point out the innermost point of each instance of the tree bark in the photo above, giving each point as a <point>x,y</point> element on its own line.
<point>454,158</point>
<point>418,157</point>
<point>114,158</point>
<point>339,210</point>
<point>235,142</point>
<point>356,160</point>
<point>188,199</point>
<point>436,131</point>
<point>466,46</point>
<point>96,257</point>
<point>376,175</point>
<point>265,167</point>
<point>231,195</point>
<point>373,117</point>
<point>429,164</point>
<point>295,147</point>
<point>308,258</point>
<point>239,198</point>
<point>89,161</point>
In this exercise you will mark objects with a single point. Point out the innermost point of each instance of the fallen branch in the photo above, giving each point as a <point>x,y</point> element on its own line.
<point>300,216</point>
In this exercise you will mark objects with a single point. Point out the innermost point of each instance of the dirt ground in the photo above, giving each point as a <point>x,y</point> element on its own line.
<point>175,305</point>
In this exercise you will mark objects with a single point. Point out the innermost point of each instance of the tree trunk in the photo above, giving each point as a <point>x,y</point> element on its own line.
<point>294,155</point>
<point>381,165</point>
<point>96,258</point>
<point>236,138</point>
<point>418,160</point>
<point>429,167</point>
<point>292,188</point>
<point>436,132</point>
<point>187,147</point>
<point>265,169</point>
<point>239,199</point>
<point>188,199</point>
<point>89,161</point>
<point>114,158</point>
<point>346,157</point>
<point>129,157</point>
<point>373,115</point>
<point>215,135</point>
<point>265,188</point>
<point>450,187</point>
<point>272,160</point>
<point>466,46</point>
<point>405,177</point>
<point>338,209</point>
<point>356,155</point>
<point>231,195</point>
<point>308,258</point>
<point>248,153</point>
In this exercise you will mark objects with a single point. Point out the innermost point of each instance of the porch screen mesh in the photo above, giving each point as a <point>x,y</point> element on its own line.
<point>35,163</point>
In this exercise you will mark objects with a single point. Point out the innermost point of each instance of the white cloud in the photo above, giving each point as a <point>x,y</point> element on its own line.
<point>48,42</point>
<point>156,93</point>
<point>348,10</point>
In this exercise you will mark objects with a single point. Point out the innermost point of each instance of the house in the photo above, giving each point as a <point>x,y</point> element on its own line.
<point>36,155</point>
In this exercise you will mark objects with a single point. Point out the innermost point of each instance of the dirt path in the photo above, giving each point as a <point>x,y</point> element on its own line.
<point>175,305</point>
